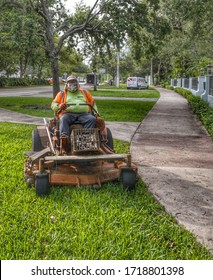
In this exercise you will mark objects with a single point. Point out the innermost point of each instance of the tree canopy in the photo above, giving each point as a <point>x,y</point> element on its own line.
<point>171,36</point>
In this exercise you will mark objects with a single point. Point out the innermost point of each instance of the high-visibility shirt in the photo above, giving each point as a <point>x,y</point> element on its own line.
<point>75,99</point>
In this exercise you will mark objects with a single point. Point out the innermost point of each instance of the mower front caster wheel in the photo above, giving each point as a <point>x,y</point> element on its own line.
<point>42,184</point>
<point>128,178</point>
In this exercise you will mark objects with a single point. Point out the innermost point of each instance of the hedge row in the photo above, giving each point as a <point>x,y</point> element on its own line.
<point>8,82</point>
<point>200,107</point>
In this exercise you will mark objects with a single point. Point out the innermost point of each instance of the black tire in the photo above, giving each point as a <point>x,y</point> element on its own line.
<point>42,184</point>
<point>36,141</point>
<point>128,178</point>
<point>109,139</point>
<point>29,181</point>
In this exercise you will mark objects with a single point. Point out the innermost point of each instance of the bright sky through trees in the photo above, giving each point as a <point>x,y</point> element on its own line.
<point>70,4</point>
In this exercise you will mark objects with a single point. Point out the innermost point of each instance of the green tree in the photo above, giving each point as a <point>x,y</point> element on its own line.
<point>25,41</point>
<point>8,56</point>
<point>54,21</point>
<point>189,45</point>
<point>20,41</point>
<point>119,19</point>
<point>71,61</point>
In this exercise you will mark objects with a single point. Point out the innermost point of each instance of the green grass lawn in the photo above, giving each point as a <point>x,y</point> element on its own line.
<point>112,92</point>
<point>84,223</point>
<point>110,110</point>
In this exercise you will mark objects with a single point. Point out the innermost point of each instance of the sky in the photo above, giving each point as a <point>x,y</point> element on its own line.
<point>70,4</point>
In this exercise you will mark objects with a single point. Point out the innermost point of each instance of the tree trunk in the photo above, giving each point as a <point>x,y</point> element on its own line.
<point>159,72</point>
<point>118,70</point>
<point>23,62</point>
<point>40,69</point>
<point>55,74</point>
<point>151,73</point>
<point>95,81</point>
<point>21,67</point>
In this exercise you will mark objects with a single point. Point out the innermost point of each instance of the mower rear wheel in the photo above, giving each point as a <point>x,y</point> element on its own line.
<point>128,178</point>
<point>36,141</point>
<point>109,139</point>
<point>42,184</point>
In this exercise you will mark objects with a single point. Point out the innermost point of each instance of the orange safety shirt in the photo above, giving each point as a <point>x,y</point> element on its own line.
<point>75,99</point>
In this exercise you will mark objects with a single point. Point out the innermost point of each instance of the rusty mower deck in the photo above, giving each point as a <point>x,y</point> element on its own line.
<point>89,162</point>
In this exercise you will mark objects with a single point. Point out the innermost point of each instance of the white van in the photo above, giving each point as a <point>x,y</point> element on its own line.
<point>136,83</point>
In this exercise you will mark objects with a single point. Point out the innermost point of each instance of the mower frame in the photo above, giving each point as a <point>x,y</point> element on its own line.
<point>45,165</point>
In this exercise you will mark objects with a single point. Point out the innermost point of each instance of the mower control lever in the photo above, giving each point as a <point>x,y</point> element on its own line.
<point>49,137</point>
<point>84,104</point>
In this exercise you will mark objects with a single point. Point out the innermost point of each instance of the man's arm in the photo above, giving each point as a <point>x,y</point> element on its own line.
<point>92,101</point>
<point>55,105</point>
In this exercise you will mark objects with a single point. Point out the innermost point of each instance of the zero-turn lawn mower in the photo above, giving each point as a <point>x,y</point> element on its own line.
<point>88,158</point>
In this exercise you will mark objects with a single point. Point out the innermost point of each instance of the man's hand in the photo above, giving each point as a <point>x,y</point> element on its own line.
<point>62,106</point>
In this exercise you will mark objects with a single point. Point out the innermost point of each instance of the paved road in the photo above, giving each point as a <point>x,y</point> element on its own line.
<point>28,91</point>
<point>47,92</point>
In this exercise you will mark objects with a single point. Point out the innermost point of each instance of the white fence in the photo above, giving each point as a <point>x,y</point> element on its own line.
<point>199,86</point>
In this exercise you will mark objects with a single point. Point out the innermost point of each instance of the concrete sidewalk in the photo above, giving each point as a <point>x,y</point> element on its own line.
<point>174,155</point>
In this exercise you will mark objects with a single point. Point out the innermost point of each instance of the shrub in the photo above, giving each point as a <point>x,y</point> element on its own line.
<point>3,81</point>
<point>200,107</point>
<point>166,84</point>
<point>10,82</point>
<point>169,87</point>
<point>39,82</point>
<point>18,82</point>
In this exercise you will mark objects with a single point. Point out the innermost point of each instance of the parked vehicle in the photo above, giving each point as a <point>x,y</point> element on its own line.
<point>90,79</point>
<point>136,83</point>
<point>61,80</point>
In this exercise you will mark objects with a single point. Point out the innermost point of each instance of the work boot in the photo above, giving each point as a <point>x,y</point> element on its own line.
<point>64,145</point>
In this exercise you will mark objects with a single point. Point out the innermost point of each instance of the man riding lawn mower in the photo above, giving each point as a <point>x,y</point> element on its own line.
<point>75,148</point>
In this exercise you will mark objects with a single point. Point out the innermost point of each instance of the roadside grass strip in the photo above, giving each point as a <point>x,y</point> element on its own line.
<point>110,110</point>
<point>124,93</point>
